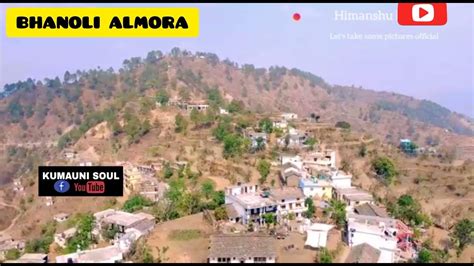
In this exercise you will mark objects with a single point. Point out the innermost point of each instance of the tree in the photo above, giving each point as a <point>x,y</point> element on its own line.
<point>269,218</point>
<point>310,142</point>
<point>343,124</point>
<point>323,256</point>
<point>167,171</point>
<point>266,125</point>
<point>308,202</point>
<point>263,168</point>
<point>234,145</point>
<point>425,256</point>
<point>207,188</point>
<point>181,124</point>
<point>463,234</point>
<point>235,106</point>
<point>363,150</point>
<point>220,213</point>
<point>162,97</point>
<point>385,168</point>
<point>260,144</point>
<point>337,209</point>
<point>409,210</point>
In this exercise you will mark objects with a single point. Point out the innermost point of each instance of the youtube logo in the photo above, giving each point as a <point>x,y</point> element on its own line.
<point>435,14</point>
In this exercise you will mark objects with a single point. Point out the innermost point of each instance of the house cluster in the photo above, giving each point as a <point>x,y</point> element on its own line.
<point>142,179</point>
<point>129,228</point>
<point>313,174</point>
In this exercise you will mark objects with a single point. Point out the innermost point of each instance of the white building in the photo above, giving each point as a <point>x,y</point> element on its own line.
<point>341,179</point>
<point>317,235</point>
<point>289,116</point>
<point>381,237</point>
<point>281,124</point>
<point>123,220</point>
<point>315,187</point>
<point>248,203</point>
<point>294,139</point>
<point>293,159</point>
<point>110,254</point>
<point>242,249</point>
<point>325,159</point>
<point>223,111</point>
<point>289,200</point>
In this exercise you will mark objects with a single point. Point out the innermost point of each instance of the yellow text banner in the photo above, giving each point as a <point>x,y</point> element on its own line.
<point>87,22</point>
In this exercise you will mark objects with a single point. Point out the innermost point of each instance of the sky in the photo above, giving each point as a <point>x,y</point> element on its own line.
<point>440,70</point>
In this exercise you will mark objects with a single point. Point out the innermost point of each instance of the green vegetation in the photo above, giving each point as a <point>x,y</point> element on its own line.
<point>134,128</point>
<point>308,202</point>
<point>343,124</point>
<point>41,245</point>
<point>363,150</point>
<point>463,234</point>
<point>185,234</point>
<point>110,233</point>
<point>385,168</point>
<point>409,210</point>
<point>12,254</point>
<point>323,256</point>
<point>425,256</point>
<point>266,125</point>
<point>135,203</point>
<point>220,213</point>
<point>270,218</point>
<point>235,145</point>
<point>235,106</point>
<point>263,168</point>
<point>310,142</point>
<point>223,129</point>
<point>207,188</point>
<point>181,124</point>
<point>337,211</point>
<point>162,97</point>
<point>83,237</point>
<point>167,171</point>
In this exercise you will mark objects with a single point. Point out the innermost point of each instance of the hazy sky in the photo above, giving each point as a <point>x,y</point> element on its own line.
<point>265,34</point>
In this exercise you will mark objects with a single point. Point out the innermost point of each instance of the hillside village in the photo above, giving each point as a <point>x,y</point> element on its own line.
<point>207,180</point>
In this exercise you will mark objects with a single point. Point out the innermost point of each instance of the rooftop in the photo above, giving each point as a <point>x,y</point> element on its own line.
<point>252,200</point>
<point>314,182</point>
<point>94,255</point>
<point>231,211</point>
<point>242,246</point>
<point>370,210</point>
<point>354,194</point>
<point>124,218</point>
<point>286,193</point>
<point>363,253</point>
<point>61,215</point>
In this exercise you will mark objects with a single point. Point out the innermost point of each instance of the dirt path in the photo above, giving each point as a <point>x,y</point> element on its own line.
<point>13,222</point>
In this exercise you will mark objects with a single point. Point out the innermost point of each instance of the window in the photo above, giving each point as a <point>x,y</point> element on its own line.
<point>259,259</point>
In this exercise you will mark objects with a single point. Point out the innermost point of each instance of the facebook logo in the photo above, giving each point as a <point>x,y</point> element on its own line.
<point>61,186</point>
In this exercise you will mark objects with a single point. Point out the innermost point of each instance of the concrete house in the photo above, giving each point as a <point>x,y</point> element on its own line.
<point>248,203</point>
<point>291,173</point>
<point>123,220</point>
<point>353,196</point>
<point>242,249</point>
<point>316,187</point>
<point>325,158</point>
<point>289,200</point>
<point>256,138</point>
<point>294,139</point>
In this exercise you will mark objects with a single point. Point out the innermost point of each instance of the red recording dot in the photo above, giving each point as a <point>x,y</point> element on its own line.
<point>296,16</point>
